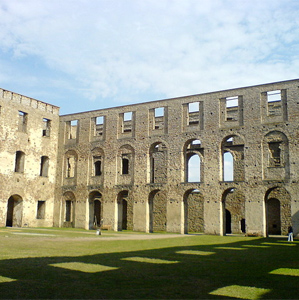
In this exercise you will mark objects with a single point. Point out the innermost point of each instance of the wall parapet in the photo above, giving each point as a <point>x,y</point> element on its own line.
<point>24,100</point>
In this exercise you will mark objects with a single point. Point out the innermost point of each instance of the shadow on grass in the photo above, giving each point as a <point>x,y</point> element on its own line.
<point>252,269</point>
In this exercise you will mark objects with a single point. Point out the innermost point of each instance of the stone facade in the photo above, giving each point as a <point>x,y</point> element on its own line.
<point>28,159</point>
<point>162,165</point>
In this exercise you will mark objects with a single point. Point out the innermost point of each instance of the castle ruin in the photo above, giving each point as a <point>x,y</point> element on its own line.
<point>218,163</point>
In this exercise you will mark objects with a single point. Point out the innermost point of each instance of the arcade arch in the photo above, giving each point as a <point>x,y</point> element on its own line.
<point>193,156</point>
<point>233,211</point>
<point>95,209</point>
<point>193,211</point>
<point>14,211</point>
<point>157,211</point>
<point>69,202</point>
<point>232,150</point>
<point>158,163</point>
<point>278,211</point>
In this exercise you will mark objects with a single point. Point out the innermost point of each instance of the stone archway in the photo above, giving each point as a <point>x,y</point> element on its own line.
<point>278,211</point>
<point>122,211</point>
<point>193,211</point>
<point>69,203</point>
<point>14,211</point>
<point>95,209</point>
<point>157,203</point>
<point>273,216</point>
<point>233,211</point>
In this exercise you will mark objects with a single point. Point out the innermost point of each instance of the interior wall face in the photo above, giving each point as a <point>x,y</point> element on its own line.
<point>145,149</point>
<point>260,134</point>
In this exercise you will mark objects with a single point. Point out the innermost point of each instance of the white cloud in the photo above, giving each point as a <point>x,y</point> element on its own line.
<point>133,51</point>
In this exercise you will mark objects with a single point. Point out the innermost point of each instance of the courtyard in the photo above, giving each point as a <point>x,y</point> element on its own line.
<point>50,263</point>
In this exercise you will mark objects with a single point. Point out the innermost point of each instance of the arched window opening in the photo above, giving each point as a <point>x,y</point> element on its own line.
<point>193,152</point>
<point>228,167</point>
<point>44,166</point>
<point>19,162</point>
<point>194,168</point>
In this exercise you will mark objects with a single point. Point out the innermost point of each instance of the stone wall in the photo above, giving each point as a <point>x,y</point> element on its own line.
<point>144,150</point>
<point>28,159</point>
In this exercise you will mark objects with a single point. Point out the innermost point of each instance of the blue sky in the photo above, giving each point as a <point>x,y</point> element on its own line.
<point>90,54</point>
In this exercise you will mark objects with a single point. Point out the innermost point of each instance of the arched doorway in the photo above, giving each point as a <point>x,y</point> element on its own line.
<point>95,209</point>
<point>122,211</point>
<point>233,211</point>
<point>14,211</point>
<point>193,211</point>
<point>69,201</point>
<point>273,216</point>
<point>277,211</point>
<point>157,206</point>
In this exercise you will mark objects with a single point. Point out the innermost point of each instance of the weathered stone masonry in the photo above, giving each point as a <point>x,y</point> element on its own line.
<point>133,166</point>
<point>28,159</point>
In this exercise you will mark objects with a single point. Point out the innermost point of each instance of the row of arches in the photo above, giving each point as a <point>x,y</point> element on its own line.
<point>275,155</point>
<point>277,211</point>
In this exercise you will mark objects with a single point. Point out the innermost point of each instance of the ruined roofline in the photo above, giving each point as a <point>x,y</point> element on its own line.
<point>184,97</point>
<point>25,97</point>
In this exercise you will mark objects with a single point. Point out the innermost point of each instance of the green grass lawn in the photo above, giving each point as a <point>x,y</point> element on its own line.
<point>77,264</point>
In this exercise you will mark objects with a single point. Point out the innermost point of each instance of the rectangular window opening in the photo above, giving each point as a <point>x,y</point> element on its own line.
<point>97,161</point>
<point>23,121</point>
<point>159,118</point>
<point>128,116</point>
<point>127,122</point>
<point>46,127</point>
<point>275,154</point>
<point>232,108</point>
<point>193,113</point>
<point>99,126</point>
<point>73,127</point>
<point>41,209</point>
<point>68,210</point>
<point>274,96</point>
<point>125,165</point>
<point>159,112</point>
<point>274,103</point>
<point>44,166</point>
<point>193,107</point>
